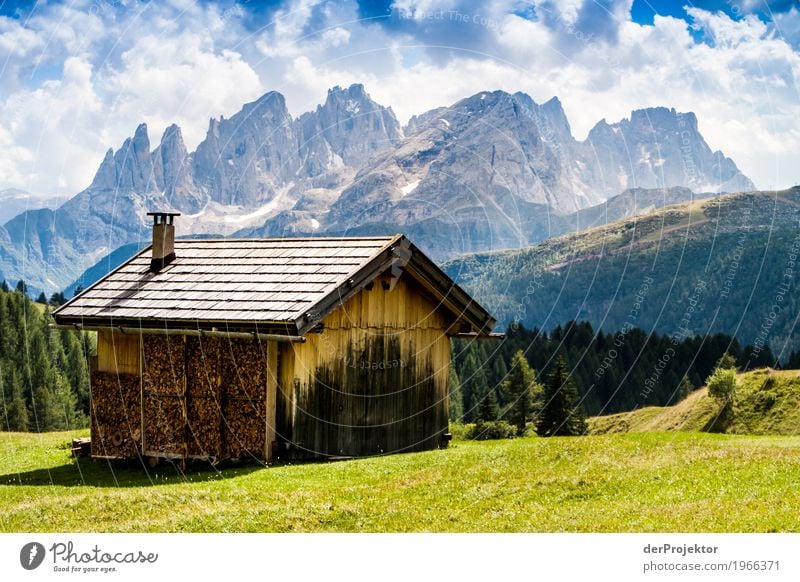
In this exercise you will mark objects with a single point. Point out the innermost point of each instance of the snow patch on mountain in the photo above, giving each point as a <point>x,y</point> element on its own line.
<point>409,188</point>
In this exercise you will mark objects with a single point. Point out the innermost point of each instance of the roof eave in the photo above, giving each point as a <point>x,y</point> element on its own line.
<point>284,327</point>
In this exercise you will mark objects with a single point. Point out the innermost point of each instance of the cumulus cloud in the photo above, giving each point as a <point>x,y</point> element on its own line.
<point>787,26</point>
<point>88,74</point>
<point>78,78</point>
<point>179,79</point>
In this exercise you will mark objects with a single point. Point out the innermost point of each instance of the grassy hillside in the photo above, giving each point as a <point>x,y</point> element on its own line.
<point>767,402</point>
<point>632,482</point>
<point>716,265</point>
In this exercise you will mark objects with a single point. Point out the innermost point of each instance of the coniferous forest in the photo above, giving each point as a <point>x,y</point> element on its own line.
<point>613,372</point>
<point>43,371</point>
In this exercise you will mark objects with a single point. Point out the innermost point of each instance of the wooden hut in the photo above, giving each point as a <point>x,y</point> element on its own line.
<point>301,348</point>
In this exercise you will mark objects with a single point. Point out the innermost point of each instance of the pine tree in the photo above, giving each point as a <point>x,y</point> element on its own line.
<point>473,382</point>
<point>488,410</point>
<point>42,414</point>
<point>16,409</point>
<point>45,381</point>
<point>456,401</point>
<point>57,299</point>
<point>42,298</point>
<point>76,367</point>
<point>561,413</point>
<point>520,390</point>
<point>65,415</point>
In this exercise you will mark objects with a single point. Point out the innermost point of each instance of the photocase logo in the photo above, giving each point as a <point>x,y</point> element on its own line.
<point>31,555</point>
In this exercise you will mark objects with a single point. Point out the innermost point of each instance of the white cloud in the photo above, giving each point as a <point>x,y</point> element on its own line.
<point>787,26</point>
<point>78,78</point>
<point>53,132</point>
<point>16,41</point>
<point>179,79</point>
<point>149,67</point>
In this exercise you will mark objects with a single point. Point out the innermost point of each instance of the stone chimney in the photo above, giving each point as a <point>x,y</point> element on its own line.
<point>163,239</point>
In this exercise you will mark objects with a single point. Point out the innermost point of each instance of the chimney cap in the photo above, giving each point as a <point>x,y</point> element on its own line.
<point>163,217</point>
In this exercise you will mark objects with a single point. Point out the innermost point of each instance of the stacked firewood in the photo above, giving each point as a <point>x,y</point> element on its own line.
<point>116,415</point>
<point>244,405</point>
<point>203,396</point>
<point>164,389</point>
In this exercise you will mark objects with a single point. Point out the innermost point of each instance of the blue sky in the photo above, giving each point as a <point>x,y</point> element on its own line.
<point>77,77</point>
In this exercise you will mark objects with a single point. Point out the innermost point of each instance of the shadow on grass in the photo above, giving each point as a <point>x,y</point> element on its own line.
<point>98,473</point>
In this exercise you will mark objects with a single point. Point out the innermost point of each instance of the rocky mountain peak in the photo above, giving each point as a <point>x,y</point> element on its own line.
<point>271,104</point>
<point>172,168</point>
<point>141,141</point>
<point>660,147</point>
<point>130,168</point>
<point>553,111</point>
<point>347,130</point>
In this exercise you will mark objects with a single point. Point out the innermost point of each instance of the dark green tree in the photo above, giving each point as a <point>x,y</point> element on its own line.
<point>16,410</point>
<point>456,401</point>
<point>57,299</point>
<point>561,414</point>
<point>488,410</point>
<point>45,381</point>
<point>520,390</point>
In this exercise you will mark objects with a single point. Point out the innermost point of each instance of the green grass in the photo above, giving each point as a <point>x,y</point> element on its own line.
<point>623,482</point>
<point>766,402</point>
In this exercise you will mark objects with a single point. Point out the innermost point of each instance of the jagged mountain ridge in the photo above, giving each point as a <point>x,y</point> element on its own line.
<point>497,171</point>
<point>492,171</point>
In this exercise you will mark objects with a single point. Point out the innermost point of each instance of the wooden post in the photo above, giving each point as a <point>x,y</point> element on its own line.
<point>271,399</point>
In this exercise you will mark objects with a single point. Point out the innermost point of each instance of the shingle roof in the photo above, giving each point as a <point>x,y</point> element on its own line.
<point>243,282</point>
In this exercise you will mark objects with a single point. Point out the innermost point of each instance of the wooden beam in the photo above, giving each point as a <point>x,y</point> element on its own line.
<point>267,337</point>
<point>271,399</point>
<point>472,335</point>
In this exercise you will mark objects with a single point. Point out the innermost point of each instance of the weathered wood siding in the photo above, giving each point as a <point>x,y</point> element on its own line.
<point>373,381</point>
<point>118,353</point>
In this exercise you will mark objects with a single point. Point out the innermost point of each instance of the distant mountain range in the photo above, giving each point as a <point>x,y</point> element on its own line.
<point>726,264</point>
<point>492,171</point>
<point>14,201</point>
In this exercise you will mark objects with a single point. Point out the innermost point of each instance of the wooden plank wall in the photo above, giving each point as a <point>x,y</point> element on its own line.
<point>118,353</point>
<point>373,381</point>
